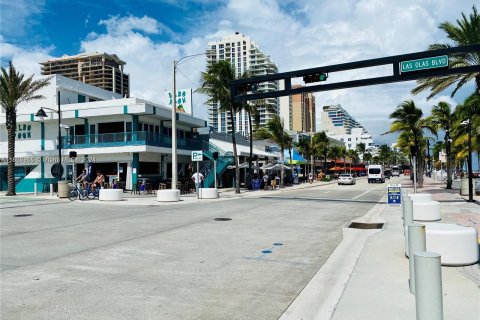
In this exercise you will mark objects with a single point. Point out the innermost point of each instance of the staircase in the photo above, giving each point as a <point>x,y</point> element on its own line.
<point>225,159</point>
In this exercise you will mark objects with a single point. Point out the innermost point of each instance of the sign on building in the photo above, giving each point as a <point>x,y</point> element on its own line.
<point>197,155</point>
<point>394,194</point>
<point>184,100</point>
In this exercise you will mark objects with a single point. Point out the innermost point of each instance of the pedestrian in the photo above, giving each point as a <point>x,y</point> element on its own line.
<point>273,181</point>
<point>310,177</point>
<point>197,177</point>
<point>265,180</point>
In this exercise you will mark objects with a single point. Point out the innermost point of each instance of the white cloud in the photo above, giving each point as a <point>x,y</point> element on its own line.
<point>124,25</point>
<point>25,60</point>
<point>17,16</point>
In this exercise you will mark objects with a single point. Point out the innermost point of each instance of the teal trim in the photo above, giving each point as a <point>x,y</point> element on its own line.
<point>42,136</point>
<point>125,109</point>
<point>135,165</point>
<point>42,168</point>
<point>76,113</point>
<point>160,135</point>
<point>26,185</point>
<point>32,117</point>
<point>134,122</point>
<point>87,127</point>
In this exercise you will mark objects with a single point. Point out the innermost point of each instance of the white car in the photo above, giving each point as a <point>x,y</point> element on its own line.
<point>346,178</point>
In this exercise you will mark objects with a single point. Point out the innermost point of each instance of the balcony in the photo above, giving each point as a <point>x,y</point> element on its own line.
<point>120,139</point>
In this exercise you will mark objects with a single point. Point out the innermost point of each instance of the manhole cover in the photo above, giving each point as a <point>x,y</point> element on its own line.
<point>360,225</point>
<point>23,215</point>
<point>222,219</point>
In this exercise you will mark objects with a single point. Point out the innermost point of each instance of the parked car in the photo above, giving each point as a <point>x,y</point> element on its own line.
<point>395,171</point>
<point>346,178</point>
<point>387,173</point>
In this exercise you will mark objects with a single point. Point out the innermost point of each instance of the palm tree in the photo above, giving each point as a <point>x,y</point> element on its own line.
<point>367,157</point>
<point>443,118</point>
<point>216,84</point>
<point>466,32</point>
<point>305,146</point>
<point>334,153</point>
<point>408,118</point>
<point>343,154</point>
<point>322,143</point>
<point>353,156</point>
<point>14,89</point>
<point>361,148</point>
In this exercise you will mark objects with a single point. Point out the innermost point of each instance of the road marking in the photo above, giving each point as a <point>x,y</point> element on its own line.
<point>363,194</point>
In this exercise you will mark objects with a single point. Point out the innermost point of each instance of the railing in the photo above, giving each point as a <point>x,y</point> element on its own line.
<point>126,139</point>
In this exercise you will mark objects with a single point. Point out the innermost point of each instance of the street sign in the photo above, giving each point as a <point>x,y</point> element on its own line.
<point>424,64</point>
<point>394,194</point>
<point>197,155</point>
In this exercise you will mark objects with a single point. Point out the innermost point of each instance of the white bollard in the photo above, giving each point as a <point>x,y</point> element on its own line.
<point>408,211</point>
<point>51,189</point>
<point>416,243</point>
<point>35,189</point>
<point>428,281</point>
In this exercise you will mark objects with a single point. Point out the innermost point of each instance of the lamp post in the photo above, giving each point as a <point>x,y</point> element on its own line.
<point>468,122</point>
<point>448,147</point>
<point>41,113</point>
<point>174,121</point>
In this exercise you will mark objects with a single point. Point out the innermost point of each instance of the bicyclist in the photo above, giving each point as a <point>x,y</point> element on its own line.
<point>99,181</point>
<point>82,178</point>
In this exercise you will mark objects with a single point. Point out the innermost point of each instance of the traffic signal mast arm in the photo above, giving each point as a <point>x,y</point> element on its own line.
<point>321,74</point>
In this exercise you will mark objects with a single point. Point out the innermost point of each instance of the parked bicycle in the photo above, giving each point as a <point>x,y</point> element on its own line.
<point>90,193</point>
<point>75,193</point>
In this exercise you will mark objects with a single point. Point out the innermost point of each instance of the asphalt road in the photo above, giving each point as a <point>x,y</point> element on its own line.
<point>85,260</point>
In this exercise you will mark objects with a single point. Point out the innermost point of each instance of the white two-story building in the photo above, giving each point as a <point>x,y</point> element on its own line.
<point>125,138</point>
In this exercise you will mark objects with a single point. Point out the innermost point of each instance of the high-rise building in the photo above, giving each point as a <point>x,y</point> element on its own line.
<point>101,70</point>
<point>303,111</point>
<point>339,124</point>
<point>244,55</point>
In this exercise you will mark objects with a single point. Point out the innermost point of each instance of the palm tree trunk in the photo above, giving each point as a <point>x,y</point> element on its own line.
<point>234,143</point>
<point>11,128</point>
<point>281,169</point>
<point>250,129</point>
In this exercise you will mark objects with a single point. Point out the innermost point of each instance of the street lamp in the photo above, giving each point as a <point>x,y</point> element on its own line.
<point>41,114</point>
<point>468,122</point>
<point>448,144</point>
<point>174,121</point>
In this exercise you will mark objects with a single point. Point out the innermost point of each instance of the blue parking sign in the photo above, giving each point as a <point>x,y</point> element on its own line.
<point>394,194</point>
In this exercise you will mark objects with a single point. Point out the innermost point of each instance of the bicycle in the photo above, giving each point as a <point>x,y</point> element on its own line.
<point>75,193</point>
<point>90,193</point>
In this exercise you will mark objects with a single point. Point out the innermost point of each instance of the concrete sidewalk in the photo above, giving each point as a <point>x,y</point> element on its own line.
<point>151,199</point>
<point>366,277</point>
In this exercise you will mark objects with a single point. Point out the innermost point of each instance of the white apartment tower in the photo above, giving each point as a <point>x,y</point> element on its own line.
<point>340,125</point>
<point>244,55</point>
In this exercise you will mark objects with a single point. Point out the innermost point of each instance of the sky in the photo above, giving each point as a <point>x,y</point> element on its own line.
<point>149,35</point>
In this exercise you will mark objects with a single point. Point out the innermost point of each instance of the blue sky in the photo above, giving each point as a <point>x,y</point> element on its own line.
<point>296,34</point>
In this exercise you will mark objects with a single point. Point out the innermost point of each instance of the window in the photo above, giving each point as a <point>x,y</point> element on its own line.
<point>157,129</point>
<point>349,139</point>
<point>214,47</point>
<point>128,126</point>
<point>221,46</point>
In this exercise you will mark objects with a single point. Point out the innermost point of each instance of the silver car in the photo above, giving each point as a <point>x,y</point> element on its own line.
<point>346,178</point>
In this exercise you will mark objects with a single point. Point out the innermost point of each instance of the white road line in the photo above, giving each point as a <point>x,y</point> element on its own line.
<point>362,194</point>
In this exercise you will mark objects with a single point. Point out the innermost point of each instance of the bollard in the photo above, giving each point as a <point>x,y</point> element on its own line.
<point>35,189</point>
<point>416,243</point>
<point>428,281</point>
<point>51,189</point>
<point>408,211</point>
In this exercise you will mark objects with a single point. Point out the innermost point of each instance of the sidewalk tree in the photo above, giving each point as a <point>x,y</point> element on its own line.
<point>305,147</point>
<point>367,158</point>
<point>334,153</point>
<point>343,155</point>
<point>216,85</point>
<point>353,156</point>
<point>321,144</point>
<point>14,89</point>
<point>361,148</point>
<point>408,118</point>
<point>465,32</point>
<point>444,118</point>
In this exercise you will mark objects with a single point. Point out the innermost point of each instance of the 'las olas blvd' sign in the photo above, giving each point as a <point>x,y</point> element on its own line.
<point>424,64</point>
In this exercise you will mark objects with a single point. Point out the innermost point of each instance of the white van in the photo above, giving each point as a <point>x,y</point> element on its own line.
<point>375,173</point>
<point>395,171</point>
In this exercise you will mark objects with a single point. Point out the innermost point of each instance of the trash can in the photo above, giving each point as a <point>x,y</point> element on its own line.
<point>464,187</point>
<point>256,184</point>
<point>63,189</point>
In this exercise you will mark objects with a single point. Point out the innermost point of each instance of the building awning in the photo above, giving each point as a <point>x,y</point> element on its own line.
<point>296,157</point>
<point>242,150</point>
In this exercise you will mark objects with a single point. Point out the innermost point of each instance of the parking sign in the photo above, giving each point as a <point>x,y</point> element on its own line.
<point>197,155</point>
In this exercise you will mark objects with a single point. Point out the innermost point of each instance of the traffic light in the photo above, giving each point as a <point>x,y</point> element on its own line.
<point>315,77</point>
<point>247,87</point>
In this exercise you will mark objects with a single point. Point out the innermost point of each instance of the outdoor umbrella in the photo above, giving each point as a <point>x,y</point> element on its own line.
<point>335,168</point>
<point>244,166</point>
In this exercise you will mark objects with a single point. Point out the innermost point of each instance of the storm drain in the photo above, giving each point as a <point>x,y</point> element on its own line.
<point>222,219</point>
<point>360,225</point>
<point>23,215</point>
